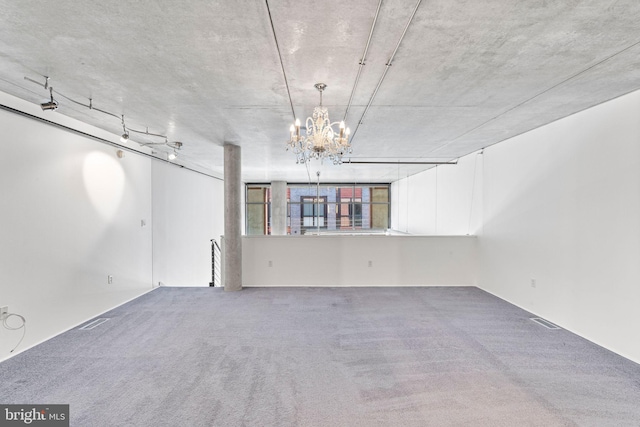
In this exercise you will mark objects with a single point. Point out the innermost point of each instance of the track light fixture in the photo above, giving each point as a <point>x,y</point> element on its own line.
<point>176,146</point>
<point>49,105</point>
<point>126,131</point>
<point>125,135</point>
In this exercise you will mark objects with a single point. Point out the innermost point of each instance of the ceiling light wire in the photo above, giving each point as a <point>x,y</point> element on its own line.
<point>89,106</point>
<point>284,74</point>
<point>362,61</point>
<point>308,173</point>
<point>125,136</point>
<point>386,69</point>
<point>45,85</point>
<point>473,188</point>
<point>20,87</point>
<point>99,139</point>
<point>146,132</point>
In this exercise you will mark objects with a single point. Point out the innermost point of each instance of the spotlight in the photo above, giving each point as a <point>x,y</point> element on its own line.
<point>49,105</point>
<point>125,135</point>
<point>172,156</point>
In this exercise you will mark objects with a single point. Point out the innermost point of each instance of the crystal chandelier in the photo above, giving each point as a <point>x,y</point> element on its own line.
<point>320,141</point>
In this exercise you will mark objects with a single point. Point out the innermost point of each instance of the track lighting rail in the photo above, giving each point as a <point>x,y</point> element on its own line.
<point>362,61</point>
<point>101,140</point>
<point>89,106</point>
<point>386,69</point>
<point>52,105</point>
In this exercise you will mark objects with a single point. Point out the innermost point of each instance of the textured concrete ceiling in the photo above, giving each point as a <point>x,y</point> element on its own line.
<point>468,74</point>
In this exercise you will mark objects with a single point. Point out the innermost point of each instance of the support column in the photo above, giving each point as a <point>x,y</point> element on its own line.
<point>232,224</point>
<point>278,208</point>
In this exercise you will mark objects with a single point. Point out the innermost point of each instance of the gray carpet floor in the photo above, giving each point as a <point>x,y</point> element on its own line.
<point>325,357</point>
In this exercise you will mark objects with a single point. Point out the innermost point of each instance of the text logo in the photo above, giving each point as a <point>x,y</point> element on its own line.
<point>34,415</point>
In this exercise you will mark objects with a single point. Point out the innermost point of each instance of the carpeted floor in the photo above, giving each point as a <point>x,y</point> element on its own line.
<point>325,357</point>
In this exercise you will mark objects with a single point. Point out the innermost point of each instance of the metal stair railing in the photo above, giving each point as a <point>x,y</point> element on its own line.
<point>216,264</point>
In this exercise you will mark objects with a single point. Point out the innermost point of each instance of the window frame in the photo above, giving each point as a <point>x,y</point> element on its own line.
<point>355,221</point>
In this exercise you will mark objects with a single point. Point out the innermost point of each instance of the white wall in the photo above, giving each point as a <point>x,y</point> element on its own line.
<point>71,214</point>
<point>562,206</point>
<point>344,261</point>
<point>444,200</point>
<point>187,213</point>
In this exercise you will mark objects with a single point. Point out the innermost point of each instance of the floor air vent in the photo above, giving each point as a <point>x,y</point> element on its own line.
<point>94,324</point>
<point>545,323</point>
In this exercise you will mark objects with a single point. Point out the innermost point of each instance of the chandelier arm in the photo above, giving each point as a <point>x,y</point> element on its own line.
<point>311,127</point>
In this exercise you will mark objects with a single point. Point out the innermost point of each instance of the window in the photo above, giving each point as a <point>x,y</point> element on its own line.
<point>350,208</point>
<point>314,212</point>
<point>257,210</point>
<point>333,208</point>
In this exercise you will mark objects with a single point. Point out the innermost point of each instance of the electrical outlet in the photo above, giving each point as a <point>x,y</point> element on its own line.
<point>270,263</point>
<point>533,283</point>
<point>4,312</point>
<point>109,279</point>
<point>370,263</point>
